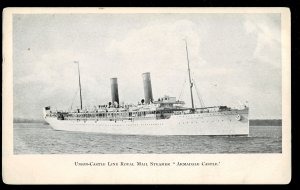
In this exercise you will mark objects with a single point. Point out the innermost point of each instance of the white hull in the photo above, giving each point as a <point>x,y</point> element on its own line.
<point>218,123</point>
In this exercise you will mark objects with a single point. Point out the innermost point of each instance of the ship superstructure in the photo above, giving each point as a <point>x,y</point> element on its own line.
<point>164,116</point>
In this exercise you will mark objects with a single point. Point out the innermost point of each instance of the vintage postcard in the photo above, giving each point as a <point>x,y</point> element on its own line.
<point>146,96</point>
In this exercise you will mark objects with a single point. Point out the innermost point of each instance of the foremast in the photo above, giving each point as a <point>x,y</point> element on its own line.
<point>79,84</point>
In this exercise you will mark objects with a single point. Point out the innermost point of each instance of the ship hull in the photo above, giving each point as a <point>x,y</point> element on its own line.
<point>219,123</point>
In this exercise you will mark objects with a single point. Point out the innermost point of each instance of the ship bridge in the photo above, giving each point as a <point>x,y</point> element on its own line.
<point>168,102</point>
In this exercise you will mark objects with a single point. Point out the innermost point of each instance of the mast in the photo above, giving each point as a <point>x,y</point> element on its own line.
<point>79,84</point>
<point>191,84</point>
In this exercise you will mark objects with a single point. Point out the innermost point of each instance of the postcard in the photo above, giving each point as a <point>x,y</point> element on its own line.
<point>146,96</point>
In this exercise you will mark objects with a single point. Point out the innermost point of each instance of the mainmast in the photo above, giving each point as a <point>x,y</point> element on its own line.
<point>79,84</point>
<point>191,84</point>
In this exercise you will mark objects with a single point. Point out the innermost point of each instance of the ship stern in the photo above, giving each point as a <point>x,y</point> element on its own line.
<point>46,111</point>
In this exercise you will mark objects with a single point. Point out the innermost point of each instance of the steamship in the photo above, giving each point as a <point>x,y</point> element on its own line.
<point>164,116</point>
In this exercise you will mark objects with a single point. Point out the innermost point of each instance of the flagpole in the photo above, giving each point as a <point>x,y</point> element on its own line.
<point>79,84</point>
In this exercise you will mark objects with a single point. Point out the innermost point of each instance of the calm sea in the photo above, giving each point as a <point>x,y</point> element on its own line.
<point>37,138</point>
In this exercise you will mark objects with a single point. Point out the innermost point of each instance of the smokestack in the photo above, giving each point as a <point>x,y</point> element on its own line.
<point>147,87</point>
<point>114,90</point>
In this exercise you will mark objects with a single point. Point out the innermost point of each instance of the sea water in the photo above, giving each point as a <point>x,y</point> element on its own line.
<point>38,138</point>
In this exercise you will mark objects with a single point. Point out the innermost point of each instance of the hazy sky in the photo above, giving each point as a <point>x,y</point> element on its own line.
<point>233,57</point>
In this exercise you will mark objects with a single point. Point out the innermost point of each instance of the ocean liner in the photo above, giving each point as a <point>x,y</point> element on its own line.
<point>164,116</point>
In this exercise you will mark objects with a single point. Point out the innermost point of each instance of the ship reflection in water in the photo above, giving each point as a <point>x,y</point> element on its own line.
<point>37,138</point>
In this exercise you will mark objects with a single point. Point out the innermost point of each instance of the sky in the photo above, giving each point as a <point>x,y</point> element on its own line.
<point>234,59</point>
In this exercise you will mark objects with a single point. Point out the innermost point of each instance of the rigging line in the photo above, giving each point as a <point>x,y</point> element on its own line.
<point>199,95</point>
<point>214,87</point>
<point>181,92</point>
<point>74,98</point>
<point>217,99</point>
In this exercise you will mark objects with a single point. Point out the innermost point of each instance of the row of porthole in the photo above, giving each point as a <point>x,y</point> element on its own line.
<point>96,121</point>
<point>129,125</point>
<point>108,119</point>
<point>200,122</point>
<point>189,116</point>
<point>132,125</point>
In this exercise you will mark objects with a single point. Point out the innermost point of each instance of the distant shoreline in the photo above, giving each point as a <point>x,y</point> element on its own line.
<point>20,120</point>
<point>265,122</point>
<point>253,122</point>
